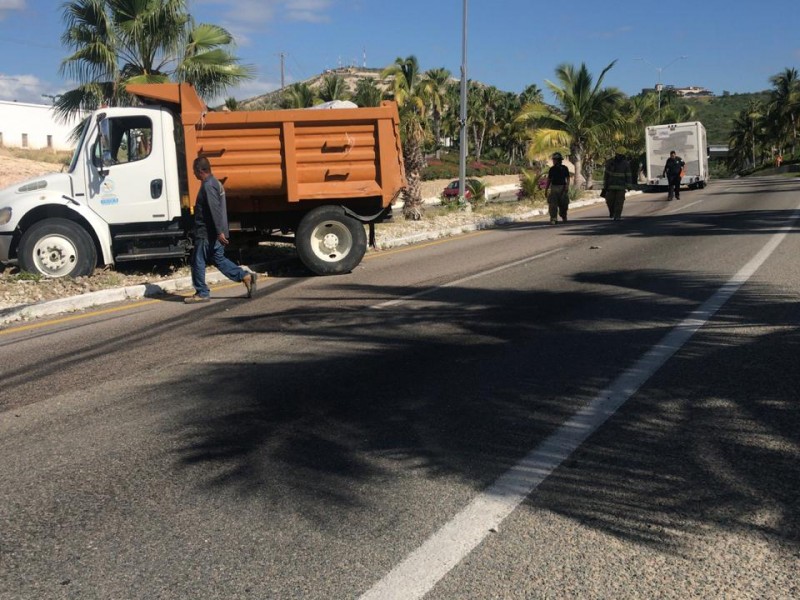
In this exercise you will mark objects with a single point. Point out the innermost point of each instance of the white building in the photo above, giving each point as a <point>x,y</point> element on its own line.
<point>33,126</point>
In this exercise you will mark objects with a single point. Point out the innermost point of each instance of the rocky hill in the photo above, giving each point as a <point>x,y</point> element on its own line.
<point>351,76</point>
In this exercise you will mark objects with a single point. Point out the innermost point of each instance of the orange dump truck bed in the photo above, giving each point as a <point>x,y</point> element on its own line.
<point>274,160</point>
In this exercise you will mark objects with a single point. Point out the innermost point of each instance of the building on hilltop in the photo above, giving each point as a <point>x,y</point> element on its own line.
<point>692,91</point>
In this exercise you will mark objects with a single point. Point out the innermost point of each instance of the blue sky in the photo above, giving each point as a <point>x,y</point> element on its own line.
<point>511,43</point>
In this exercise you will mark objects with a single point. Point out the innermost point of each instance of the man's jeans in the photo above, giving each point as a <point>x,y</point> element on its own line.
<point>203,254</point>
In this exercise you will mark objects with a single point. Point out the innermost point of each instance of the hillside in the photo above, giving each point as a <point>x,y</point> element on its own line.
<point>351,75</point>
<point>717,113</point>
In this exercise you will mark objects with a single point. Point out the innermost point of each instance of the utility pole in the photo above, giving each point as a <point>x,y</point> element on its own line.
<point>282,70</point>
<point>462,159</point>
<point>659,70</point>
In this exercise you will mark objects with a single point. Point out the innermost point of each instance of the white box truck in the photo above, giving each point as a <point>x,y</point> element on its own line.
<point>689,141</point>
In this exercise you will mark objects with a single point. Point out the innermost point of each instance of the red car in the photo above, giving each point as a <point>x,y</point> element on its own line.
<point>451,191</point>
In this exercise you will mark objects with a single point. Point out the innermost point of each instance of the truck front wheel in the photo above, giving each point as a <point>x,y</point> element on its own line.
<point>329,242</point>
<point>57,248</point>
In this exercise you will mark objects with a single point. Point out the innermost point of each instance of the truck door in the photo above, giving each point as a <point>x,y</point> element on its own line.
<point>126,176</point>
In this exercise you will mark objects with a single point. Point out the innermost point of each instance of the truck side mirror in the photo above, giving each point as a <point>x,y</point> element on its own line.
<point>97,161</point>
<point>103,158</point>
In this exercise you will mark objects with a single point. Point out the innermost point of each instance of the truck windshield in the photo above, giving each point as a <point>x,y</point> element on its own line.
<point>74,160</point>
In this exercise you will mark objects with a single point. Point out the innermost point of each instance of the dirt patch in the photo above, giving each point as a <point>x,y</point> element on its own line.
<point>15,170</point>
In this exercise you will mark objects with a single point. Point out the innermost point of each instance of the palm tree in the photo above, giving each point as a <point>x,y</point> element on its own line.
<point>118,42</point>
<point>636,114</point>
<point>367,92</point>
<point>333,87</point>
<point>531,95</point>
<point>451,117</point>
<point>434,87</point>
<point>405,76</point>
<point>483,103</point>
<point>585,116</point>
<point>785,104</point>
<point>298,95</point>
<point>508,135</point>
<point>745,135</point>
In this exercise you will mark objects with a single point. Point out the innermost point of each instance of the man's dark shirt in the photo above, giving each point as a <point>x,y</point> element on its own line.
<point>210,211</point>
<point>673,166</point>
<point>558,175</point>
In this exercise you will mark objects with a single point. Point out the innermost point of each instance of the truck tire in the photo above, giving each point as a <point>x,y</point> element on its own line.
<point>57,248</point>
<point>329,242</point>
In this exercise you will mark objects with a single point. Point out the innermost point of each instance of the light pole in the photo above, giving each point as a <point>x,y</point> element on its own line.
<point>462,135</point>
<point>659,85</point>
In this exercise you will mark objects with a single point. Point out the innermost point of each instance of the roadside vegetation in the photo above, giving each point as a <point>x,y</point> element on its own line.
<point>765,132</point>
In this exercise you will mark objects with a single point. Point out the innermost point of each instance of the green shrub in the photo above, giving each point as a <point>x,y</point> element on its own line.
<point>574,193</point>
<point>530,185</point>
<point>448,168</point>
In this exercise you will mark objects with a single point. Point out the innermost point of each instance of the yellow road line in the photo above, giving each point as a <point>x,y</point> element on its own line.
<point>76,317</point>
<point>94,313</point>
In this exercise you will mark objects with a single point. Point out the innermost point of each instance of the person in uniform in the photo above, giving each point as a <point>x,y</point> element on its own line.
<point>557,189</point>
<point>673,171</point>
<point>617,180</point>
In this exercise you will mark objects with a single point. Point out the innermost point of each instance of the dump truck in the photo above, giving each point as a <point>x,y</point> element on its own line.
<point>688,140</point>
<point>319,178</point>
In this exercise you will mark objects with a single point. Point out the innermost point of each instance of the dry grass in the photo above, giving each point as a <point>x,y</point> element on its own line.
<point>41,155</point>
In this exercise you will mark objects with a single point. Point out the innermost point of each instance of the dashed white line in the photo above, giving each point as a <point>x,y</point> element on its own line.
<point>431,290</point>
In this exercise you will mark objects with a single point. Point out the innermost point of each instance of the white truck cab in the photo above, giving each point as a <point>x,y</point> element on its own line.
<point>121,186</point>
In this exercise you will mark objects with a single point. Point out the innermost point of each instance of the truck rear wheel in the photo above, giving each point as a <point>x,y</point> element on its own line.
<point>57,248</point>
<point>329,242</point>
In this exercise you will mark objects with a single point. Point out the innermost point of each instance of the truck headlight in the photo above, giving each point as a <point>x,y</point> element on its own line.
<point>5,215</point>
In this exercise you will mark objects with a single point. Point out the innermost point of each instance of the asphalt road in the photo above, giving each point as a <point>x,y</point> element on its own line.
<point>592,410</point>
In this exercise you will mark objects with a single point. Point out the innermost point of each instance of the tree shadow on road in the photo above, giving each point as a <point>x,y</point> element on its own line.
<point>460,385</point>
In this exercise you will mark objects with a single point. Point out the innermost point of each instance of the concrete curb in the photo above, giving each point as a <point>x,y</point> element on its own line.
<point>148,290</point>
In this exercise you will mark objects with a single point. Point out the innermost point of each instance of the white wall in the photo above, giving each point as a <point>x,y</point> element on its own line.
<point>38,121</point>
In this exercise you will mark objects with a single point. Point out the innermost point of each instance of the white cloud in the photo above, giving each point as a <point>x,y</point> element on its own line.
<point>312,11</point>
<point>9,5</point>
<point>252,14</point>
<point>24,88</point>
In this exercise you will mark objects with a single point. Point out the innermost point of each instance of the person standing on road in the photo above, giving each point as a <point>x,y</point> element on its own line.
<point>557,189</point>
<point>617,180</point>
<point>673,171</point>
<point>211,236</point>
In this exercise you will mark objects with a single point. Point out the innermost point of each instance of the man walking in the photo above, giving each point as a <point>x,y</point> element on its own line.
<point>557,189</point>
<point>673,171</point>
<point>211,236</point>
<point>617,180</point>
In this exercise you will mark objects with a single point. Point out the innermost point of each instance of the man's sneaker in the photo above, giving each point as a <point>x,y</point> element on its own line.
<point>195,299</point>
<point>250,284</point>
<point>553,221</point>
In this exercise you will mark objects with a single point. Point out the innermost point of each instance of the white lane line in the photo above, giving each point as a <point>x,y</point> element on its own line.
<point>416,575</point>
<point>684,207</point>
<point>425,292</point>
